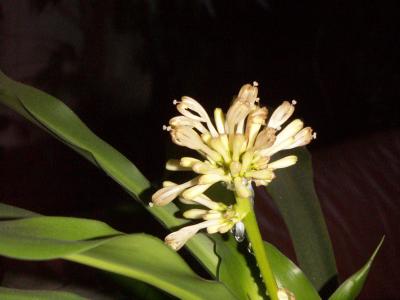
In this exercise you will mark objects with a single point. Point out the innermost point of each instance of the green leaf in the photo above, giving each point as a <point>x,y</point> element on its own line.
<point>94,243</point>
<point>235,268</point>
<point>238,271</point>
<point>135,289</point>
<point>16,294</point>
<point>39,238</point>
<point>293,192</point>
<point>289,276</point>
<point>147,258</point>
<point>351,288</point>
<point>56,118</point>
<point>12,212</point>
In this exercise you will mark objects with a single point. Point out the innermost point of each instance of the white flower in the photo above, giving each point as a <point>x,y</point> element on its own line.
<point>219,218</point>
<point>236,150</point>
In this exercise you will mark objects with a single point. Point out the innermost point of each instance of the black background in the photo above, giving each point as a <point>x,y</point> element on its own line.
<point>119,65</point>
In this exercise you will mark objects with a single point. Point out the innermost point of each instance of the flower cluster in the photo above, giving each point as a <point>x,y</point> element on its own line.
<point>236,150</point>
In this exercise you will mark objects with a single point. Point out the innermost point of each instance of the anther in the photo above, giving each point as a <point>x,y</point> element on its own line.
<point>166,128</point>
<point>294,102</point>
<point>255,83</point>
<point>175,102</point>
<point>314,135</point>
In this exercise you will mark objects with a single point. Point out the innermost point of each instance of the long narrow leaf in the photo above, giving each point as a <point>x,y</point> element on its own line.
<point>351,288</point>
<point>12,212</point>
<point>289,276</point>
<point>55,117</point>
<point>293,192</point>
<point>94,243</point>
<point>235,269</point>
<point>17,294</point>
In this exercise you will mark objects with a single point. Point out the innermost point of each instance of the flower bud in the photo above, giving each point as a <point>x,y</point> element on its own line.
<point>284,162</point>
<point>281,115</point>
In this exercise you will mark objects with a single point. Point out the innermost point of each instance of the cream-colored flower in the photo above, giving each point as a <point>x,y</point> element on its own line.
<point>236,150</point>
<point>217,217</point>
<point>238,146</point>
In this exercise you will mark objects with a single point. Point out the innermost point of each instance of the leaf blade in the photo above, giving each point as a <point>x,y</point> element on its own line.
<point>289,276</point>
<point>18,294</point>
<point>352,286</point>
<point>55,117</point>
<point>96,244</point>
<point>294,193</point>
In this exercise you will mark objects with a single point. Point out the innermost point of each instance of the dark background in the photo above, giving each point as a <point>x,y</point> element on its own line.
<point>119,65</point>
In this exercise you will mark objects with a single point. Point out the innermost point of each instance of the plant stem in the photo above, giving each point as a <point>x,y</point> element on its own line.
<point>257,244</point>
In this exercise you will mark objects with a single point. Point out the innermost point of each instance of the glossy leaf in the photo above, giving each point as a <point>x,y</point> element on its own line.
<point>94,243</point>
<point>351,288</point>
<point>293,192</point>
<point>39,238</point>
<point>17,294</point>
<point>55,117</point>
<point>239,272</point>
<point>237,269</point>
<point>148,259</point>
<point>289,276</point>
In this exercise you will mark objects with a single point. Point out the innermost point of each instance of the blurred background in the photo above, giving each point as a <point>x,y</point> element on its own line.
<point>119,64</point>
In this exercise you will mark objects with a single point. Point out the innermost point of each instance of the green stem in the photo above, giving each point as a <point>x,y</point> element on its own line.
<point>257,244</point>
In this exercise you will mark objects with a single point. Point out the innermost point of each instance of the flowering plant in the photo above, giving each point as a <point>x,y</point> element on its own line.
<point>236,152</point>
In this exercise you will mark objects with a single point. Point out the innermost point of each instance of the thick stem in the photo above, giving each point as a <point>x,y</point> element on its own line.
<point>257,244</point>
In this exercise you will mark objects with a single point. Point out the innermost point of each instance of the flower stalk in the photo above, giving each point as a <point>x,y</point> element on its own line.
<point>235,150</point>
<point>257,244</point>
